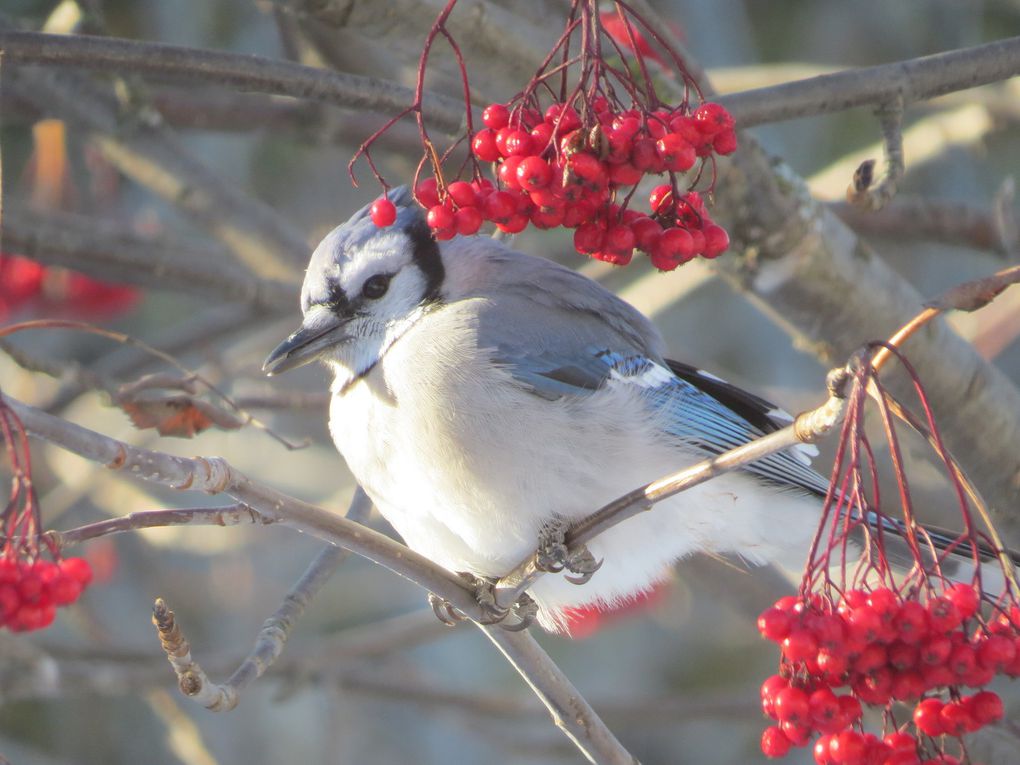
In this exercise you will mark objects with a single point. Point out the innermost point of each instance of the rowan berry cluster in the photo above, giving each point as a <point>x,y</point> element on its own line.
<point>884,649</point>
<point>553,170</point>
<point>31,591</point>
<point>570,149</point>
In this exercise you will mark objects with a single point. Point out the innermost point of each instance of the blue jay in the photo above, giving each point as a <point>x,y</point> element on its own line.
<point>482,396</point>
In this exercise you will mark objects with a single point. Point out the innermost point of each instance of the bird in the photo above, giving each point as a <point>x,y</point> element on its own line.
<point>485,399</point>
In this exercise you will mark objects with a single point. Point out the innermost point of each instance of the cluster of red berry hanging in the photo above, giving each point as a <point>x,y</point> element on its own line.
<point>908,644</point>
<point>31,586</point>
<point>571,148</point>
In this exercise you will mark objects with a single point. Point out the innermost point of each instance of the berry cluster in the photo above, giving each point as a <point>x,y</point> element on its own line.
<point>25,283</point>
<point>885,649</point>
<point>30,592</point>
<point>558,169</point>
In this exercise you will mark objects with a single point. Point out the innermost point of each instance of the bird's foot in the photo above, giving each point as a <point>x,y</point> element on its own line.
<point>524,610</point>
<point>553,555</point>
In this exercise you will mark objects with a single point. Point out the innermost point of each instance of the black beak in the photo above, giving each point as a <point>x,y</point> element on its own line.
<point>319,331</point>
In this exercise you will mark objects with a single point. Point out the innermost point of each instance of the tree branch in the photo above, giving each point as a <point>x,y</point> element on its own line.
<point>237,70</point>
<point>916,79</point>
<point>141,147</point>
<point>107,251</point>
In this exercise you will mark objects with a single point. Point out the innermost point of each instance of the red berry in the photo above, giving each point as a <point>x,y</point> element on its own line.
<point>546,218</point>
<point>873,657</point>
<point>64,589</point>
<point>507,173</point>
<point>589,238</point>
<point>383,212</point>
<point>911,622</point>
<point>620,239</point>
<point>499,206</point>
<point>660,200</point>
<point>515,224</point>
<point>986,707</point>
<point>467,220</point>
<point>646,232</point>
<point>624,174</point>
<point>962,660</point>
<point>847,748</point>
<point>645,157</point>
<point>821,750</point>
<point>716,240</point>
<point>725,143</point>
<point>774,742</point>
<point>712,118</point>
<point>773,624</point>
<point>865,624</point>
<point>825,710</point>
<point>935,650</point>
<point>874,688</point>
<point>563,116</point>
<point>832,665</point>
<point>484,146</point>
<point>9,602</point>
<point>928,717</point>
<point>676,153</point>
<point>956,718</point>
<point>943,615</point>
<point>534,173</point>
<point>907,685</point>
<point>616,257</point>
<point>903,655</point>
<point>798,734</point>
<point>996,652</point>
<point>462,193</point>
<point>496,116</point>
<point>440,217</point>
<point>901,742</point>
<point>30,586</point>
<point>792,705</point>
<point>676,246</point>
<point>518,143</point>
<point>427,193</point>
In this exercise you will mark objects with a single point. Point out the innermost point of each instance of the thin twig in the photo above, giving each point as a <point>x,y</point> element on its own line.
<point>228,515</point>
<point>269,644</point>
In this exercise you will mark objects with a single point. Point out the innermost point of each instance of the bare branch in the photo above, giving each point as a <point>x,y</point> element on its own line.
<point>141,147</point>
<point>242,71</point>
<point>229,515</point>
<point>927,219</point>
<point>915,79</point>
<point>107,251</point>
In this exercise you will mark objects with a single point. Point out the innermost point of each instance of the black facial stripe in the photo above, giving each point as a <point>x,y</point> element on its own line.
<point>337,301</point>
<point>426,257</point>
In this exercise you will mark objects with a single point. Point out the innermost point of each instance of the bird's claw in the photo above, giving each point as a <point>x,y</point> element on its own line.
<point>583,563</point>
<point>553,555</point>
<point>525,609</point>
<point>444,610</point>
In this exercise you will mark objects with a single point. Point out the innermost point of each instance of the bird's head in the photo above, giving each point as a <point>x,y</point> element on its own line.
<point>364,287</point>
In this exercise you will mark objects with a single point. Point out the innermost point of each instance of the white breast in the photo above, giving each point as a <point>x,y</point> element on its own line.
<point>467,466</point>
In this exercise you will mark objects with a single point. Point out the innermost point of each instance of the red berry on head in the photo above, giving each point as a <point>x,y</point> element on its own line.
<point>383,212</point>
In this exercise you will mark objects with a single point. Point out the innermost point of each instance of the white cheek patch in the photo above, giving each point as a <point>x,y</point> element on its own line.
<point>388,253</point>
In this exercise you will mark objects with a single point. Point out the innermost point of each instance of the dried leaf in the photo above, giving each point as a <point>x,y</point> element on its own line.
<point>179,416</point>
<point>971,296</point>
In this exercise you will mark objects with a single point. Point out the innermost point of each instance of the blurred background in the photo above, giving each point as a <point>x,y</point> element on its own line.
<point>368,677</point>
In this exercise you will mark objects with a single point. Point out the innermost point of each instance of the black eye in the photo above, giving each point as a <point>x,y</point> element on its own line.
<point>375,286</point>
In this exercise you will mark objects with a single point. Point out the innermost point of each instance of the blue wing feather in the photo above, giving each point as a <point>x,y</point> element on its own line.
<point>693,416</point>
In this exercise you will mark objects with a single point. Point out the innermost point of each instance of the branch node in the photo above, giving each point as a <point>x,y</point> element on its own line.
<point>118,462</point>
<point>861,192</point>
